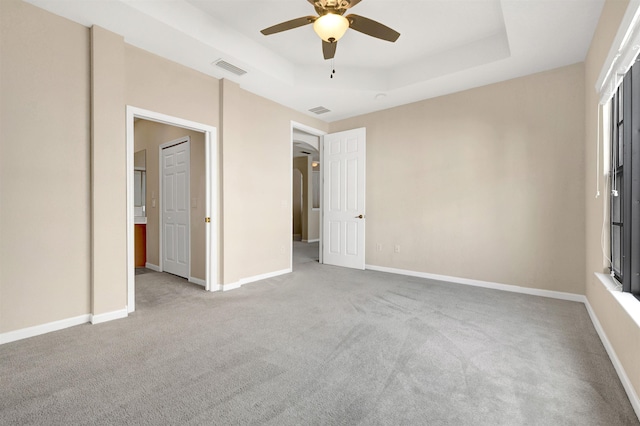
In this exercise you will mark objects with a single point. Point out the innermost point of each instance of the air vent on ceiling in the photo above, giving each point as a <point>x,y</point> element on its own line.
<point>319,110</point>
<point>229,67</point>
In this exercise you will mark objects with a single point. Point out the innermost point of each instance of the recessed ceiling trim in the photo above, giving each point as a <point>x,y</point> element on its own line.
<point>535,37</point>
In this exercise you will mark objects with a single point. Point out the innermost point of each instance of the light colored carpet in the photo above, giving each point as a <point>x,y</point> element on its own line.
<point>322,345</point>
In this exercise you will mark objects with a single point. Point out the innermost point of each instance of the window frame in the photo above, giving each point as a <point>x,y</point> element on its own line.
<point>625,179</point>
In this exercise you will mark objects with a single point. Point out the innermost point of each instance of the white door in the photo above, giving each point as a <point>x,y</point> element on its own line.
<point>175,209</point>
<point>343,224</point>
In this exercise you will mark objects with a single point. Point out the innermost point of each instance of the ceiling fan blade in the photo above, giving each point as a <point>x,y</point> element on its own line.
<point>289,25</point>
<point>329,49</point>
<point>370,27</point>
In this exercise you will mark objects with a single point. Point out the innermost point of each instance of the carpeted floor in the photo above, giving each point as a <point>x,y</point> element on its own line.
<point>322,345</point>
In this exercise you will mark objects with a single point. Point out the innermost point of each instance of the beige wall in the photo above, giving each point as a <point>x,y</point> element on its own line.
<point>150,135</point>
<point>486,184</point>
<point>45,206</point>
<point>622,331</point>
<point>159,85</point>
<point>256,155</point>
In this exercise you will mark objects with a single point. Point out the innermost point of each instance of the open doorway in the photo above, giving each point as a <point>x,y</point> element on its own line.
<point>169,225</point>
<point>202,202</point>
<point>305,192</point>
<point>297,202</point>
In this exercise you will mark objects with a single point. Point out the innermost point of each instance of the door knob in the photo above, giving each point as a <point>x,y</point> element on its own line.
<point>360,217</point>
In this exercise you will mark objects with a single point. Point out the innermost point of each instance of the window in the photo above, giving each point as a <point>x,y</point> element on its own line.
<point>625,183</point>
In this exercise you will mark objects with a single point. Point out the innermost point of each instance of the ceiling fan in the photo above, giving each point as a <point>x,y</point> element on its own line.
<point>330,24</point>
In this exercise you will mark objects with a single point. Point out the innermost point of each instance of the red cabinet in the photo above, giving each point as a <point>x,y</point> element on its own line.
<point>141,245</point>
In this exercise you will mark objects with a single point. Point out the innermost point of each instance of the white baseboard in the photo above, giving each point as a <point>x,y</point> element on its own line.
<point>243,281</point>
<point>152,267</point>
<point>261,277</point>
<point>485,284</point>
<point>109,316</point>
<point>198,281</point>
<point>626,383</point>
<point>37,330</point>
<point>311,241</point>
<point>230,286</point>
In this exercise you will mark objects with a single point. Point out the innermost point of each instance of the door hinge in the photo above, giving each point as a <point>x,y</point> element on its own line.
<point>207,219</point>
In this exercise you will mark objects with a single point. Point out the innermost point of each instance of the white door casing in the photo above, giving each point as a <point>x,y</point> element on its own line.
<point>312,131</point>
<point>211,185</point>
<point>343,224</point>
<point>174,187</point>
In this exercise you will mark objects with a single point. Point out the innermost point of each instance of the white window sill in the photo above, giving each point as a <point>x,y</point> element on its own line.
<point>628,301</point>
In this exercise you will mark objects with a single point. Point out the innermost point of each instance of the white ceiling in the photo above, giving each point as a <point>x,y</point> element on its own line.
<point>445,45</point>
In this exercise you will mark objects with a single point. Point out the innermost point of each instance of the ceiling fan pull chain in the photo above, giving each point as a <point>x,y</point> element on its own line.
<point>333,67</point>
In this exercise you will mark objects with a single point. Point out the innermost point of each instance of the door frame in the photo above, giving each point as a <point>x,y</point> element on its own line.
<point>320,134</point>
<point>181,140</point>
<point>211,195</point>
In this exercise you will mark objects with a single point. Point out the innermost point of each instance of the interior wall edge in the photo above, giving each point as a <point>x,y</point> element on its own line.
<point>108,173</point>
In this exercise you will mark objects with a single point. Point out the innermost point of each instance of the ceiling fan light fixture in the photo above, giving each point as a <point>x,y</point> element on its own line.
<point>331,27</point>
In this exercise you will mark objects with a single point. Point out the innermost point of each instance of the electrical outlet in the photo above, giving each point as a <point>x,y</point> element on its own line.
<point>397,248</point>
<point>379,246</point>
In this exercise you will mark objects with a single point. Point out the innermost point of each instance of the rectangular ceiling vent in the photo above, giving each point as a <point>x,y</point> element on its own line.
<point>319,110</point>
<point>229,67</point>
